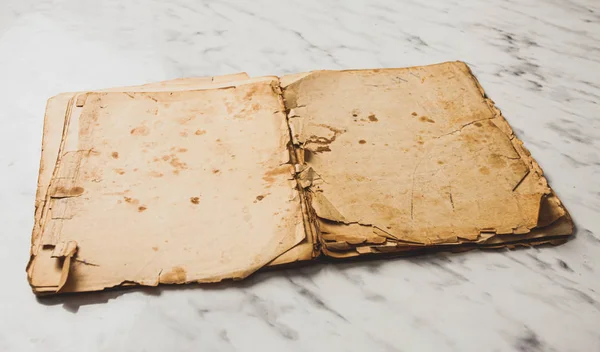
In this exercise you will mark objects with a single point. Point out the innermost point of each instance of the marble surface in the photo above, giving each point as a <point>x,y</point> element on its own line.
<point>540,62</point>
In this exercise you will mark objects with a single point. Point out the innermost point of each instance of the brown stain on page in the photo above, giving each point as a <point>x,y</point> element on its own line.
<point>199,132</point>
<point>269,176</point>
<point>131,200</point>
<point>177,275</point>
<point>185,120</point>
<point>115,155</point>
<point>321,149</point>
<point>426,119</point>
<point>497,161</point>
<point>373,118</point>
<point>71,192</point>
<point>250,93</point>
<point>140,131</point>
<point>260,197</point>
<point>195,200</point>
<point>177,164</point>
<point>448,105</point>
<point>362,141</point>
<point>142,208</point>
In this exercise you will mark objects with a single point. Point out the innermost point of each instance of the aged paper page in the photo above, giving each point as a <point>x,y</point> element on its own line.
<point>399,159</point>
<point>168,187</point>
<point>54,120</point>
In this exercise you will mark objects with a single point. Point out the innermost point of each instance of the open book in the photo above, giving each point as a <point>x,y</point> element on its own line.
<point>205,179</point>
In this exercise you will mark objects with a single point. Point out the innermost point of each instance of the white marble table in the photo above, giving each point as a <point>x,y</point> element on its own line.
<point>539,60</point>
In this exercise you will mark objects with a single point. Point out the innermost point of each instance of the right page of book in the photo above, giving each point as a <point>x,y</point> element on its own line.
<point>397,160</point>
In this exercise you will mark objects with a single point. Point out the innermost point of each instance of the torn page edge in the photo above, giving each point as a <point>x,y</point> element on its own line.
<point>299,253</point>
<point>64,251</point>
<point>42,207</point>
<point>297,160</point>
<point>162,277</point>
<point>44,203</point>
<point>40,189</point>
<point>504,126</point>
<point>63,184</point>
<point>554,234</point>
<point>49,235</point>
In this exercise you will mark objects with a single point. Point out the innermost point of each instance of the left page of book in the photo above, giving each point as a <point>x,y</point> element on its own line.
<point>167,187</point>
<point>56,111</point>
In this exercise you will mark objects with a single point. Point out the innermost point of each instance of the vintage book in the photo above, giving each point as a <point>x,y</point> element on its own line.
<point>206,179</point>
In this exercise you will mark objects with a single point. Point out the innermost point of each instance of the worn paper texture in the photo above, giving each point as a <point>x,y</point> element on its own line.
<point>54,120</point>
<point>409,158</point>
<point>170,187</point>
<point>199,180</point>
<point>56,112</point>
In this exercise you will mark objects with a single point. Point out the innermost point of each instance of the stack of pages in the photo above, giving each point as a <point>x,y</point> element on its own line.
<point>206,179</point>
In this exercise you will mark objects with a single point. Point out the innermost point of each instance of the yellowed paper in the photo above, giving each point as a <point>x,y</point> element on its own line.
<point>415,157</point>
<point>199,180</point>
<point>170,187</point>
<point>54,120</point>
